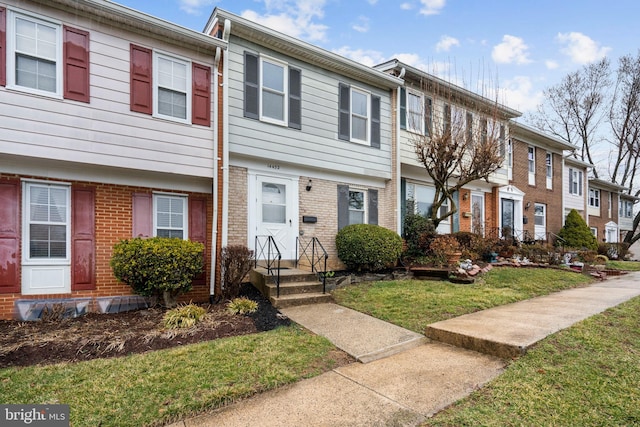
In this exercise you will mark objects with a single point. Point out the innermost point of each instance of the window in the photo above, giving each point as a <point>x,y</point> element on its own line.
<point>357,212</point>
<point>626,208</point>
<point>531,156</point>
<point>48,220</point>
<point>358,116</point>
<point>503,137</point>
<point>549,162</point>
<point>272,91</point>
<point>415,113</point>
<point>594,198</point>
<point>446,119</point>
<point>172,87</point>
<point>575,182</point>
<point>485,131</point>
<point>509,154</point>
<point>169,87</point>
<point>170,216</point>
<point>594,231</point>
<point>469,129</point>
<point>36,61</point>
<point>539,215</point>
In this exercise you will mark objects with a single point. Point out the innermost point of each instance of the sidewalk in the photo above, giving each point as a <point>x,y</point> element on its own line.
<point>409,378</point>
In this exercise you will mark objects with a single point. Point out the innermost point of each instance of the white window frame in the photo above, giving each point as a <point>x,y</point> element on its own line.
<point>26,222</point>
<point>185,213</point>
<point>510,158</point>
<point>626,208</point>
<point>576,189</point>
<point>156,86</point>
<point>531,159</point>
<point>364,205</point>
<point>420,113</point>
<point>285,93</point>
<point>367,126</point>
<point>549,166</point>
<point>594,231</point>
<point>594,198</point>
<point>12,16</point>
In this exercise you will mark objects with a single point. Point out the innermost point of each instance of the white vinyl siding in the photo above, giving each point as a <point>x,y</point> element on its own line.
<point>34,54</point>
<point>317,142</point>
<point>106,133</point>
<point>172,88</point>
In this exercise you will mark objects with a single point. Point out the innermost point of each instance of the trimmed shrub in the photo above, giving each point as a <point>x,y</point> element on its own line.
<point>368,247</point>
<point>236,261</point>
<point>184,316</point>
<point>442,247</point>
<point>158,266</point>
<point>576,233</point>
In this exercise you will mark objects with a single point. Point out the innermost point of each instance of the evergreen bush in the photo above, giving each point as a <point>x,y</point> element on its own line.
<point>159,266</point>
<point>368,247</point>
<point>576,233</point>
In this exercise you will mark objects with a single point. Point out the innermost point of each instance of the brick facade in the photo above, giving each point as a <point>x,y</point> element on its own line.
<point>113,222</point>
<point>605,215</point>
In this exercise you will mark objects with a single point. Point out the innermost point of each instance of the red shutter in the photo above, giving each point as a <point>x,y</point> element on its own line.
<point>198,229</point>
<point>201,95</point>
<point>142,215</point>
<point>3,46</point>
<point>141,88</point>
<point>83,238</point>
<point>9,236</point>
<point>76,64</point>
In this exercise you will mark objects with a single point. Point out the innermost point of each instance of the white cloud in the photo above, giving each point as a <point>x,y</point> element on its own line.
<point>432,7</point>
<point>519,93</point>
<point>511,50</point>
<point>362,25</point>
<point>551,64</point>
<point>292,17</point>
<point>364,57</point>
<point>446,43</point>
<point>193,7</point>
<point>406,6</point>
<point>581,48</point>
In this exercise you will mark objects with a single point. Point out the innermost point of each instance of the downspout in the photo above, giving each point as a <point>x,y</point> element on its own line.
<point>214,227</point>
<point>399,200</point>
<point>225,137</point>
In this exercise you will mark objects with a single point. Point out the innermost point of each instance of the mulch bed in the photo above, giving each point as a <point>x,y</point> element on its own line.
<point>111,335</point>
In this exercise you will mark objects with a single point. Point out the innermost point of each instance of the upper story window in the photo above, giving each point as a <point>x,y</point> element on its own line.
<point>509,154</point>
<point>169,87</point>
<point>172,87</point>
<point>484,132</point>
<point>531,157</point>
<point>575,182</point>
<point>358,116</point>
<point>446,119</point>
<point>549,162</point>
<point>502,139</point>
<point>272,91</point>
<point>170,216</point>
<point>469,128</point>
<point>36,61</point>
<point>416,113</point>
<point>594,198</point>
<point>626,208</point>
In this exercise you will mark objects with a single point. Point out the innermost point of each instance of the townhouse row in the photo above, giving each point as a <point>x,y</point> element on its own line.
<point>116,124</point>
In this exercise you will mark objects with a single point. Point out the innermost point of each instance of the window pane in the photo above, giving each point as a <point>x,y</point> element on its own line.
<point>164,219</point>
<point>356,217</point>
<point>172,103</point>
<point>273,105</point>
<point>274,213</point>
<point>35,73</point>
<point>356,200</point>
<point>359,101</point>
<point>273,76</point>
<point>359,128</point>
<point>274,199</point>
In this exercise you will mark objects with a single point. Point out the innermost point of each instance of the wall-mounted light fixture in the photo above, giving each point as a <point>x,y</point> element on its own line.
<point>309,185</point>
<point>527,206</point>
<point>465,196</point>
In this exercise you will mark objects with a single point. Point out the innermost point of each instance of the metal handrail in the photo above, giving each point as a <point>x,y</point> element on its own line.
<point>264,251</point>
<point>318,255</point>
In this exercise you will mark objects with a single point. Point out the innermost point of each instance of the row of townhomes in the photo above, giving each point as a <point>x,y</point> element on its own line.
<point>116,124</point>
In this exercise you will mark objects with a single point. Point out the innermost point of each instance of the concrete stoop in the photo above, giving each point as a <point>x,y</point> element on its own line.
<point>297,287</point>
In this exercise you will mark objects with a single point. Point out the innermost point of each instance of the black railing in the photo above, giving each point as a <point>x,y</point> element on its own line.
<point>267,251</point>
<point>317,259</point>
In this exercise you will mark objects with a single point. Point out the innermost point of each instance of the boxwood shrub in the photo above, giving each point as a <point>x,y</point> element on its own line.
<point>368,247</point>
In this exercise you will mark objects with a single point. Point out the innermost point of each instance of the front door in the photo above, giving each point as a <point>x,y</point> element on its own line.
<point>277,213</point>
<point>508,206</point>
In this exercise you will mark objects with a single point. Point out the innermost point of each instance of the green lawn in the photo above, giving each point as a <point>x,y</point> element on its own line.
<point>624,265</point>
<point>414,304</point>
<point>161,386</point>
<point>587,375</point>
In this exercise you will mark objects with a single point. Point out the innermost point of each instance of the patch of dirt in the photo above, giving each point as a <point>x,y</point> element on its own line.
<point>111,335</point>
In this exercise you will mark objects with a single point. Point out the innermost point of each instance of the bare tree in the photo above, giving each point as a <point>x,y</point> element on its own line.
<point>574,108</point>
<point>459,147</point>
<point>624,118</point>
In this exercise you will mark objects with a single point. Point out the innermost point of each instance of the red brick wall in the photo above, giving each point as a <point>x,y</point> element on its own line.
<point>113,223</point>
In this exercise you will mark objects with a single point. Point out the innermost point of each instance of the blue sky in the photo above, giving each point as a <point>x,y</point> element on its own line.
<point>518,46</point>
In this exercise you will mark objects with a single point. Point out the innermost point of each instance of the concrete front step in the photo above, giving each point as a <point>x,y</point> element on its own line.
<point>300,299</point>
<point>271,290</point>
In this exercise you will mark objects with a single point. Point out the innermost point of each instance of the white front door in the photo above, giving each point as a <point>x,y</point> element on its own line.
<point>540,218</point>
<point>276,213</point>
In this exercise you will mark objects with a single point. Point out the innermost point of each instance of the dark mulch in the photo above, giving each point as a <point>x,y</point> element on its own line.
<point>111,335</point>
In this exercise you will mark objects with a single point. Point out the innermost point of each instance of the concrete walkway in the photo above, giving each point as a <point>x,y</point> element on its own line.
<point>407,378</point>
